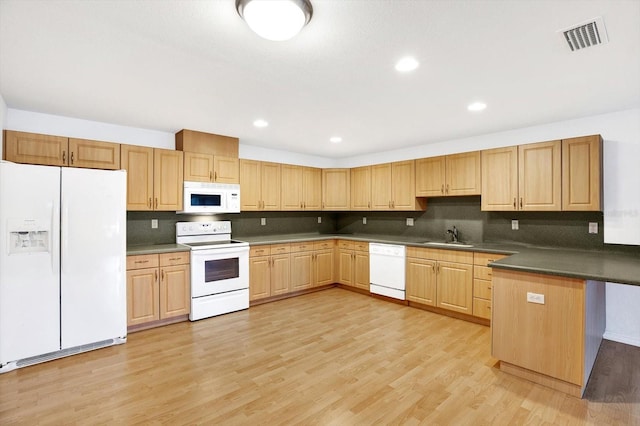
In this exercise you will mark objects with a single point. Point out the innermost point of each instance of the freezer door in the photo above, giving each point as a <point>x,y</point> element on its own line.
<point>93,263</point>
<point>29,261</point>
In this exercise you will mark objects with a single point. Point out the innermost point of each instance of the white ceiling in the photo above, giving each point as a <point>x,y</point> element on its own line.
<point>169,64</point>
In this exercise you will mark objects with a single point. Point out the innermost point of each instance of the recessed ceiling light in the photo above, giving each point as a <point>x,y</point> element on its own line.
<point>335,139</point>
<point>477,106</point>
<point>406,64</point>
<point>260,123</point>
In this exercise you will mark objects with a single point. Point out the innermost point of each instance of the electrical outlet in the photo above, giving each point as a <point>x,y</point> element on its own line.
<point>154,223</point>
<point>515,225</point>
<point>593,227</point>
<point>263,221</point>
<point>364,220</point>
<point>319,219</point>
<point>535,298</point>
<point>409,221</point>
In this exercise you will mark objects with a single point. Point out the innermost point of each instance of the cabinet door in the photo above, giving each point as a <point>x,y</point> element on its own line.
<point>291,188</point>
<point>226,169</point>
<point>582,173</point>
<point>250,185</point>
<point>323,268</point>
<point>381,197</point>
<point>345,267</point>
<point>301,270</point>
<point>138,162</point>
<point>33,148</point>
<point>312,188</point>
<point>143,298</point>
<point>175,291</point>
<point>430,176</point>
<point>455,287</point>
<point>361,188</point>
<point>198,167</point>
<point>167,179</point>
<point>270,186</point>
<point>403,185</point>
<point>336,189</point>
<point>259,277</point>
<point>421,281</point>
<point>94,154</point>
<point>539,176</point>
<point>361,270</point>
<point>463,174</point>
<point>280,274</point>
<point>500,179</point>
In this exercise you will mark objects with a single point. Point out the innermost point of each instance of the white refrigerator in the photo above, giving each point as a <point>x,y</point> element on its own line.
<point>62,262</point>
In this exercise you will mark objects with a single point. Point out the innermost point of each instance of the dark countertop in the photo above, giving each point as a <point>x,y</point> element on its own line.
<point>155,248</point>
<point>601,265</point>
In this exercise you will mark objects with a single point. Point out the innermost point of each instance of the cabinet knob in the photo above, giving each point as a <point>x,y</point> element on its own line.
<point>442,189</point>
<point>64,157</point>
<point>150,205</point>
<point>447,189</point>
<point>156,202</point>
<point>215,176</point>
<point>520,203</point>
<point>71,157</point>
<point>514,203</point>
<point>211,176</point>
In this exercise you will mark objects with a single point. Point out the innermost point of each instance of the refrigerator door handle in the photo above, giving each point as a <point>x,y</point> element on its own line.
<point>54,215</point>
<point>64,234</point>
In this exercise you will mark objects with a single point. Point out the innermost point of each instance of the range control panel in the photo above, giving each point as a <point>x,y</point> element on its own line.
<point>203,228</point>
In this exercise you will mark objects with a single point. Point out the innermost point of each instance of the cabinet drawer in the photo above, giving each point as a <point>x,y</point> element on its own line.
<point>482,289</point>
<point>345,245</point>
<point>142,261</point>
<point>263,250</point>
<point>482,272</point>
<point>324,245</point>
<point>175,258</point>
<point>280,248</point>
<point>298,247</point>
<point>482,308</point>
<point>361,246</point>
<point>482,259</point>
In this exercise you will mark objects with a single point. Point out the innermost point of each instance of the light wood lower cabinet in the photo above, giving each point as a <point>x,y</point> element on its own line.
<point>158,287</point>
<point>269,271</point>
<point>553,340</point>
<point>448,272</point>
<point>352,266</point>
<point>482,283</point>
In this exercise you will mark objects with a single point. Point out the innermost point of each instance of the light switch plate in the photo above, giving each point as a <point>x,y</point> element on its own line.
<point>364,220</point>
<point>515,225</point>
<point>154,223</point>
<point>535,298</point>
<point>593,227</point>
<point>319,219</point>
<point>409,221</point>
<point>263,221</point>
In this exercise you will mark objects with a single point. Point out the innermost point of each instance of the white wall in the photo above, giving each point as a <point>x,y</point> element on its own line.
<point>620,131</point>
<point>3,117</point>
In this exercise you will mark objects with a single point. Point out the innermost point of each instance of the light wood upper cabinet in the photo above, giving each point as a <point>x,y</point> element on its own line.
<point>393,187</point>
<point>260,185</point>
<point>154,178</point>
<point>33,148</point>
<point>336,186</point>
<point>361,188</point>
<point>209,168</point>
<point>526,177</point>
<point>450,175</point>
<point>381,196</point>
<point>539,176</point>
<point>138,162</point>
<point>94,154</point>
<point>167,179</point>
<point>582,173</point>
<point>301,188</point>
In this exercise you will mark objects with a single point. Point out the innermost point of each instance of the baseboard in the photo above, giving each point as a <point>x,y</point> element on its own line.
<point>622,338</point>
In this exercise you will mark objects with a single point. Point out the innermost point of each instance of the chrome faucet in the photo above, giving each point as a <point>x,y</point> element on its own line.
<point>454,234</point>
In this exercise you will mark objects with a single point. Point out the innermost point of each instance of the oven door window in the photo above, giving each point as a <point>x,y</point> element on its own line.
<point>222,269</point>
<point>214,200</point>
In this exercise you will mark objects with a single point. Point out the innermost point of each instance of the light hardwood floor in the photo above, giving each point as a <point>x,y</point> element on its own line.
<point>332,357</point>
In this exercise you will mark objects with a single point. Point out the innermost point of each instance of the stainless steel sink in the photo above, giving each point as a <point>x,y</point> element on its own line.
<point>447,244</point>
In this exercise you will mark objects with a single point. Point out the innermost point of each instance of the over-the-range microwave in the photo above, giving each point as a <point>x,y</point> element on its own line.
<point>211,198</point>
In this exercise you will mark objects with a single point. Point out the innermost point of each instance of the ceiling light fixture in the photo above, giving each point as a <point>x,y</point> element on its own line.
<point>260,123</point>
<point>477,106</point>
<point>276,20</point>
<point>407,64</point>
<point>335,139</point>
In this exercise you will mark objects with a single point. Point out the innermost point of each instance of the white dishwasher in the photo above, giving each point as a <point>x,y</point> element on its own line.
<point>387,270</point>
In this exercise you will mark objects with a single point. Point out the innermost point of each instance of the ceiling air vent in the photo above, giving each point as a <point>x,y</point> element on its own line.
<point>587,34</point>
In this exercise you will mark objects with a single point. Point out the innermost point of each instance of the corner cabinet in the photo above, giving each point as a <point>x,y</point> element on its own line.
<point>33,148</point>
<point>154,178</point>
<point>158,288</point>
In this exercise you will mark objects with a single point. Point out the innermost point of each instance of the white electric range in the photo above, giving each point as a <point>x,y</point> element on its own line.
<point>219,268</point>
